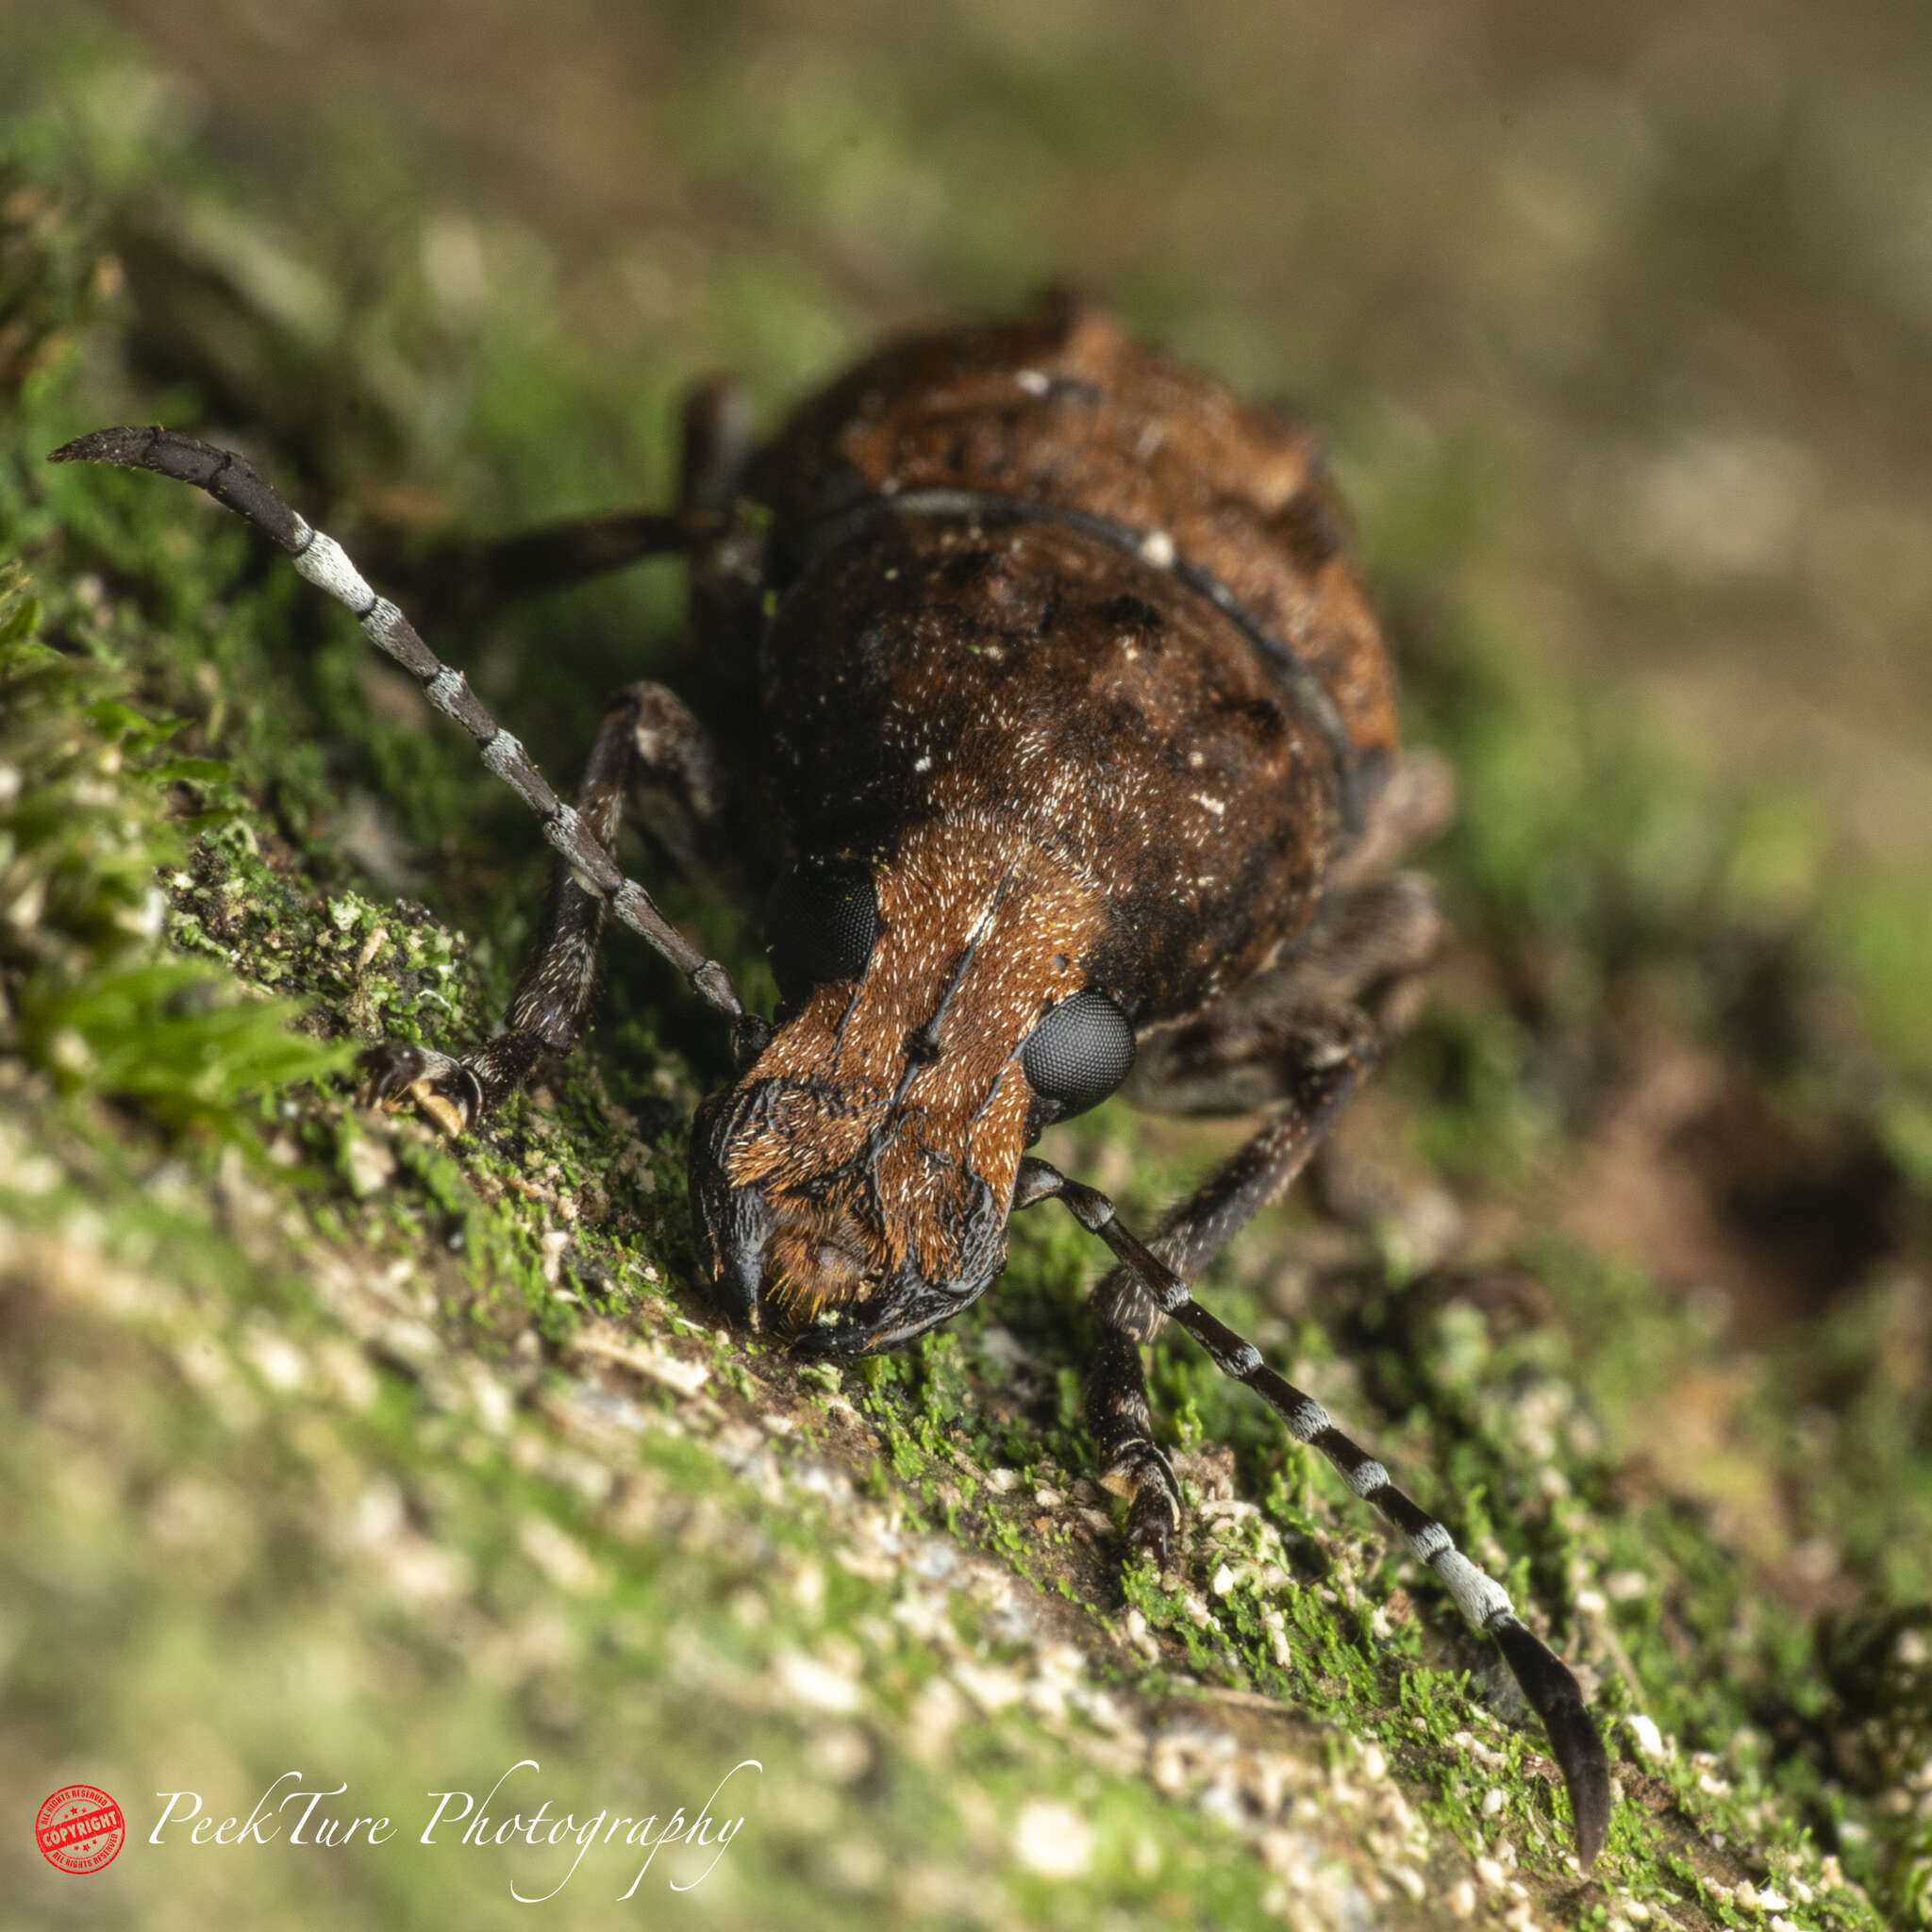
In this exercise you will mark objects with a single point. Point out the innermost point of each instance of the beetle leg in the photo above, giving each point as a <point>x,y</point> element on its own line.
<point>715,441</point>
<point>1366,952</point>
<point>1316,1060</point>
<point>1369,949</point>
<point>717,437</point>
<point>1132,1463</point>
<point>1546,1681</point>
<point>475,577</point>
<point>234,483</point>
<point>648,741</point>
<point>465,578</point>
<point>1415,806</point>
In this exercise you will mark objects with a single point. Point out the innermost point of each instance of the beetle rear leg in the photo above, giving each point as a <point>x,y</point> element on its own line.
<point>469,577</point>
<point>1416,805</point>
<point>649,743</point>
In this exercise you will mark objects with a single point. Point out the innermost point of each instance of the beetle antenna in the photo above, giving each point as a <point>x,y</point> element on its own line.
<point>237,485</point>
<point>1547,1683</point>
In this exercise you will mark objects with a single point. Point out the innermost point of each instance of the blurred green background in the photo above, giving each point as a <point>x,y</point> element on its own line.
<point>1618,323</point>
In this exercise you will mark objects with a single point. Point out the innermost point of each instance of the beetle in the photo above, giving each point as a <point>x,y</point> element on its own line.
<point>1079,733</point>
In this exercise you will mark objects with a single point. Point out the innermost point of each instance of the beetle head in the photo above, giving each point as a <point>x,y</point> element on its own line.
<point>853,1186</point>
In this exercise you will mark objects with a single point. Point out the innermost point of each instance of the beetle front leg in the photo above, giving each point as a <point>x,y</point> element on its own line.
<point>1314,1062</point>
<point>1132,1463</point>
<point>1547,1683</point>
<point>648,741</point>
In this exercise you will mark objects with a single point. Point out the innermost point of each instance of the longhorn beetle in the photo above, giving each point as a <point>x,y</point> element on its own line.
<point>1075,735</point>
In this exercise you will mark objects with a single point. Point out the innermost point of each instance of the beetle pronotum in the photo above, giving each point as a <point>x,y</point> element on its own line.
<point>1079,751</point>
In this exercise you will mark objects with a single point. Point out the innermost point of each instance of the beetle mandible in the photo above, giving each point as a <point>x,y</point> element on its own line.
<point>1079,734</point>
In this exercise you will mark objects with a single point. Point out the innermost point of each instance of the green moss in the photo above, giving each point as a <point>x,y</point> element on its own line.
<point>93,1001</point>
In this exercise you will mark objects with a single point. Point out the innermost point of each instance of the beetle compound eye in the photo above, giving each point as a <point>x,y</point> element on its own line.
<point>1079,1053</point>
<point>820,924</point>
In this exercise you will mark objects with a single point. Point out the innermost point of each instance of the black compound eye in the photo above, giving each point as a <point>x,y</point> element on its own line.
<point>1079,1053</point>
<point>820,924</point>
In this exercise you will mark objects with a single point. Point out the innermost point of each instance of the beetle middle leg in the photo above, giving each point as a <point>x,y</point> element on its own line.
<point>1366,955</point>
<point>715,438</point>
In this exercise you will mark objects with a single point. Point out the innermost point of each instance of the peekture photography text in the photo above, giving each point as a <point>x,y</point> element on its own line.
<point>512,1812</point>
